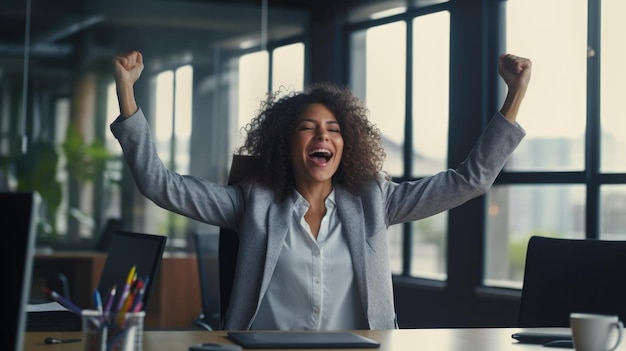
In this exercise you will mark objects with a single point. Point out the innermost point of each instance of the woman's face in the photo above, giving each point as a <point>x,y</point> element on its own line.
<point>316,145</point>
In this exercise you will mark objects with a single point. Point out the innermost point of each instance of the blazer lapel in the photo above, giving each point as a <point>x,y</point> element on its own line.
<point>351,214</point>
<point>278,223</point>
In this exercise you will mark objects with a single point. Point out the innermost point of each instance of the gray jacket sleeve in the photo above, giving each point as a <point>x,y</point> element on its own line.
<point>413,200</point>
<point>190,196</point>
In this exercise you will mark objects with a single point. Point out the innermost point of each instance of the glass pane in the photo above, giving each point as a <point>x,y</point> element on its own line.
<point>554,110</point>
<point>182,125</point>
<point>288,67</point>
<point>613,208</point>
<point>429,247</point>
<point>431,66</point>
<point>173,120</point>
<point>156,219</point>
<point>253,83</point>
<point>164,114</point>
<point>378,75</point>
<point>62,115</point>
<point>115,167</point>
<point>612,81</point>
<point>112,112</point>
<point>515,213</point>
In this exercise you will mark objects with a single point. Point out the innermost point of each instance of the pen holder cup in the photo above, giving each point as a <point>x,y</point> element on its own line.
<point>113,332</point>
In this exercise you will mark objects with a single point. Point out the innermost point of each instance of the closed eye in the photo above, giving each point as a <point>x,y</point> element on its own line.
<point>333,127</point>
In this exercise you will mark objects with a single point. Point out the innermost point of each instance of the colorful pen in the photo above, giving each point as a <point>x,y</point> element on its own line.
<point>138,303</point>
<point>131,275</point>
<point>97,301</point>
<point>135,290</point>
<point>63,301</point>
<point>110,299</point>
<point>51,340</point>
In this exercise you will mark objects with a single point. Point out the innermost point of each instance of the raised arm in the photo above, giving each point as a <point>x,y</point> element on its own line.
<point>515,71</point>
<point>127,68</point>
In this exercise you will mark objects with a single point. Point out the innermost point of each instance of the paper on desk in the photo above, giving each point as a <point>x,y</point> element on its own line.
<point>45,307</point>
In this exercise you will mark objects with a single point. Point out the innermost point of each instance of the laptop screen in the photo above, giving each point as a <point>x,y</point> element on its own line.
<point>128,250</point>
<point>19,227</point>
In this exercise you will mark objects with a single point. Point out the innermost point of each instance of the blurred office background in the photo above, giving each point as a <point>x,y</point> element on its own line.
<point>427,70</point>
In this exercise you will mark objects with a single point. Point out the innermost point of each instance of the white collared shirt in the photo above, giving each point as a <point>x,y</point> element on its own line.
<point>313,283</point>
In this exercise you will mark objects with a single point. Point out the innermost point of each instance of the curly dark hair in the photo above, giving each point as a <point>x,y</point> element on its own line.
<point>269,134</point>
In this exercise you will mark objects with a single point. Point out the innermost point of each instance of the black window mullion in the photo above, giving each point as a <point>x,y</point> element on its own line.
<point>270,69</point>
<point>592,149</point>
<point>407,245</point>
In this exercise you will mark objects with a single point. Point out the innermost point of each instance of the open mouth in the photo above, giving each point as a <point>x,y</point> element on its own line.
<point>320,155</point>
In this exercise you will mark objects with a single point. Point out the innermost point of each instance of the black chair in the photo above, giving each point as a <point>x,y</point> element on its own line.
<point>208,271</point>
<point>572,275</point>
<point>242,166</point>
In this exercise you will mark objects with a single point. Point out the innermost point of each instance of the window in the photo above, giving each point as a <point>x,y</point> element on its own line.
<point>612,78</point>
<point>62,117</point>
<point>114,168</point>
<point>379,76</point>
<point>253,85</point>
<point>559,55</point>
<point>613,205</point>
<point>254,79</point>
<point>172,132</point>
<point>564,180</point>
<point>430,81</point>
<point>288,67</point>
<point>173,91</point>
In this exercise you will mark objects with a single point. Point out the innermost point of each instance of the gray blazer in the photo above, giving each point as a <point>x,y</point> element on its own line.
<point>262,223</point>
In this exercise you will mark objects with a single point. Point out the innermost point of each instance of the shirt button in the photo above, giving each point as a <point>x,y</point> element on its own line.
<point>316,310</point>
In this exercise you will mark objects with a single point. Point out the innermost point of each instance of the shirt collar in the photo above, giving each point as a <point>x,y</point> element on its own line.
<point>299,200</point>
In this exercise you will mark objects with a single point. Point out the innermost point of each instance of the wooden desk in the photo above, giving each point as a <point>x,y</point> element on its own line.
<point>174,301</point>
<point>473,339</point>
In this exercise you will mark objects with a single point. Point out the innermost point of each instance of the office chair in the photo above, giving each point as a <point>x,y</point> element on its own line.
<point>572,275</point>
<point>240,168</point>
<point>208,271</point>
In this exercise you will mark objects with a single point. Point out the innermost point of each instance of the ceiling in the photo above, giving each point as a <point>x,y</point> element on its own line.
<point>62,32</point>
<point>54,39</point>
<point>53,26</point>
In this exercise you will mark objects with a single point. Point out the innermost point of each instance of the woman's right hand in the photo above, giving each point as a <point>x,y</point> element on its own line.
<point>127,67</point>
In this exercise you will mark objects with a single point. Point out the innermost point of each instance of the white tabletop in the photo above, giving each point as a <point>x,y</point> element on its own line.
<point>444,339</point>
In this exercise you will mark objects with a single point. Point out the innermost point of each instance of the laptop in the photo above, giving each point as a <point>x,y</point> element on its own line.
<point>128,249</point>
<point>300,340</point>
<point>19,229</point>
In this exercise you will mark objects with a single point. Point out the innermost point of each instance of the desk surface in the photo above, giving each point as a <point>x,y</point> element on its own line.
<point>461,339</point>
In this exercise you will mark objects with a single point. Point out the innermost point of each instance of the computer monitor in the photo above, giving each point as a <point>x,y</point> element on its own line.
<point>128,249</point>
<point>19,212</point>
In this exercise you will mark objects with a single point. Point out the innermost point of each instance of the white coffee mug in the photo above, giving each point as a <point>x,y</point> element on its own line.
<point>595,332</point>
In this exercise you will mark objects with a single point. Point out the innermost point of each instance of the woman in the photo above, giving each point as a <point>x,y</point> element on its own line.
<point>312,221</point>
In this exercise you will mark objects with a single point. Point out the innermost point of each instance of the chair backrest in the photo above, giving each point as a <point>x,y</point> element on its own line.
<point>240,168</point>
<point>19,211</point>
<point>572,275</point>
<point>228,250</point>
<point>208,270</point>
